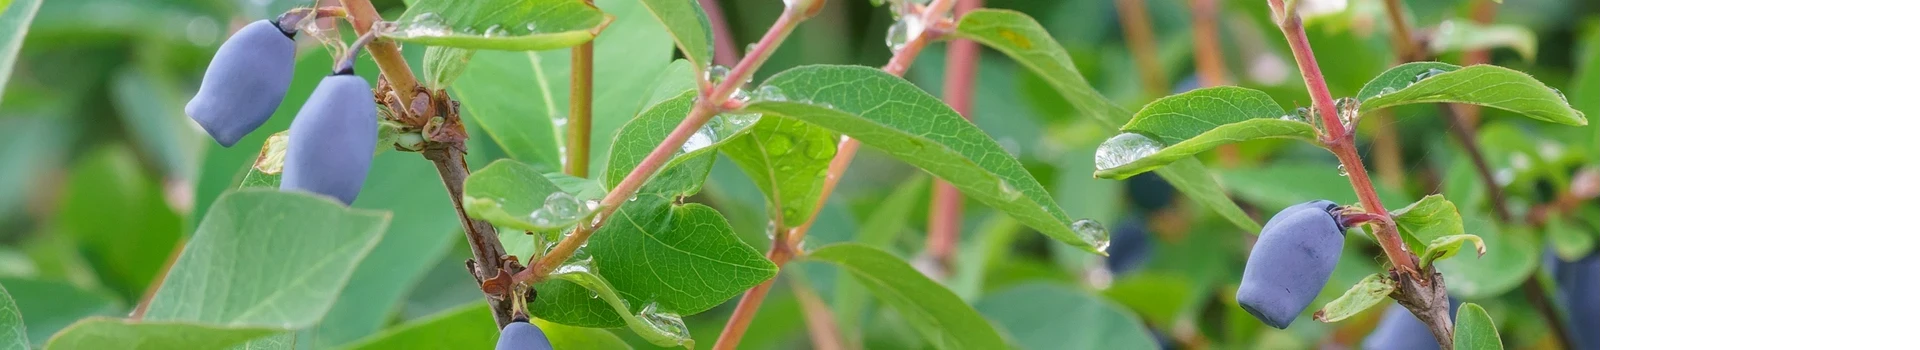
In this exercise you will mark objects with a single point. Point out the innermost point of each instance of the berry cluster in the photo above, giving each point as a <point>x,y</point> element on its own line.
<point>331,143</point>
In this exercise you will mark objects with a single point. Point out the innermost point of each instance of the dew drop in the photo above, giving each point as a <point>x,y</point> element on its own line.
<point>1008,192</point>
<point>576,266</point>
<point>495,31</point>
<point>1556,92</point>
<point>769,93</point>
<point>1123,149</point>
<point>772,229</point>
<point>531,28</point>
<point>1424,75</point>
<point>1385,91</point>
<point>699,139</point>
<point>559,208</point>
<point>1343,170</point>
<point>1093,233</point>
<point>666,322</point>
<point>903,31</point>
<point>717,73</point>
<point>779,144</point>
<point>1349,109</point>
<point>821,149</point>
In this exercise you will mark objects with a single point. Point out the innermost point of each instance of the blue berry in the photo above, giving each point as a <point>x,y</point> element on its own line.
<point>1400,330</point>
<point>521,335</point>
<point>244,83</point>
<point>1291,262</point>
<point>330,146</point>
<point>1130,247</point>
<point>1579,283</point>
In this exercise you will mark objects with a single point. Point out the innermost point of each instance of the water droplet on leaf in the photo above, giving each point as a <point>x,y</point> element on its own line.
<point>903,31</point>
<point>1093,233</point>
<point>1123,149</point>
<point>779,144</point>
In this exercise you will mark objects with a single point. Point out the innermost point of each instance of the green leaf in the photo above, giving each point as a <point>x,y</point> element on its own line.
<point>1512,255</point>
<point>788,160</point>
<point>892,115</point>
<point>881,227</point>
<point>1360,297</point>
<point>662,330</point>
<point>13,31</point>
<point>1023,39</point>
<point>1453,36</point>
<point>423,229</point>
<point>1491,86</point>
<point>570,337</point>
<point>1570,240</point>
<point>1179,126</point>
<point>940,316</point>
<point>120,218</point>
<point>516,197</point>
<point>444,65</point>
<point>13,329</point>
<point>465,327</point>
<point>43,319</point>
<point>515,25</point>
<point>1043,315</point>
<point>520,99</point>
<point>578,187</point>
<point>687,22</point>
<point>119,333</point>
<point>1444,247</point>
<point>652,234</point>
<point>1475,330</point>
<point>253,247</point>
<point>1429,219</point>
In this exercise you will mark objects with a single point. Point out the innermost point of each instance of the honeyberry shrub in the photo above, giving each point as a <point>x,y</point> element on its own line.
<point>128,224</point>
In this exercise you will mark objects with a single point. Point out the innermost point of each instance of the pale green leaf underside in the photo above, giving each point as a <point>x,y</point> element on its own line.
<point>1430,218</point>
<point>1200,120</point>
<point>788,160</point>
<point>1475,330</point>
<point>268,259</point>
<point>514,196</point>
<point>510,25</point>
<point>1371,290</point>
<point>1445,247</point>
<point>890,114</point>
<point>653,333</point>
<point>940,316</point>
<point>687,22</point>
<point>1025,41</point>
<point>1485,85</point>
<point>444,65</point>
<point>120,333</point>
<point>1570,241</point>
<point>13,330</point>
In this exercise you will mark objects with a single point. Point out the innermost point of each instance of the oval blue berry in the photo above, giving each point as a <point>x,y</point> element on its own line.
<point>521,335</point>
<point>1291,261</point>
<point>244,83</point>
<point>330,146</point>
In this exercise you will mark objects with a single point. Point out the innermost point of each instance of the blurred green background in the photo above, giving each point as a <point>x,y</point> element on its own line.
<point>102,176</point>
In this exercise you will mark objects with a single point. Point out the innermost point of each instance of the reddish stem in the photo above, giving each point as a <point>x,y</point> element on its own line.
<point>1340,140</point>
<point>750,303</point>
<point>943,222</point>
